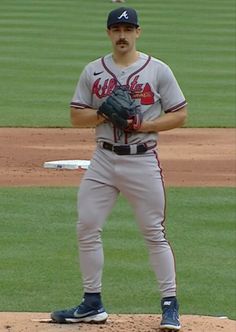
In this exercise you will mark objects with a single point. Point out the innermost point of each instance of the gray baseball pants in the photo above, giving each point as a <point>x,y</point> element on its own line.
<point>139,179</point>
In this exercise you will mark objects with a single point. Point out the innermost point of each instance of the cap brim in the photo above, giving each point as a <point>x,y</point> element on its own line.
<point>120,23</point>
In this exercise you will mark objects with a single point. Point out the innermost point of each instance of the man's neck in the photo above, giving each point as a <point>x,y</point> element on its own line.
<point>125,59</point>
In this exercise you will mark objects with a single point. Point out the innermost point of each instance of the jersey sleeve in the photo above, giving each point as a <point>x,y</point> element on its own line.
<point>82,94</point>
<point>172,98</point>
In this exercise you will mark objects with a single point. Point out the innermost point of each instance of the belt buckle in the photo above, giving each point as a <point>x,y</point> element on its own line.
<point>117,149</point>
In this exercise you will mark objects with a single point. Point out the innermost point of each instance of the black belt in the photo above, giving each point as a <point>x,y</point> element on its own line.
<point>128,149</point>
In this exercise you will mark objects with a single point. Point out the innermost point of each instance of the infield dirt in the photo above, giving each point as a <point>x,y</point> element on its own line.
<point>189,157</point>
<point>25,322</point>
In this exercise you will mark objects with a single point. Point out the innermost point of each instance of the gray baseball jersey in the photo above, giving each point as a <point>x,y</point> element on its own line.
<point>137,176</point>
<point>151,82</point>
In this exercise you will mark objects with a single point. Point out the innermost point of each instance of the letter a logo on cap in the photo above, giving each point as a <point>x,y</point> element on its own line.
<point>124,14</point>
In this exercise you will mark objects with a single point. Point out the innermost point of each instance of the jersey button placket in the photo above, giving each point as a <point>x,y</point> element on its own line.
<point>122,77</point>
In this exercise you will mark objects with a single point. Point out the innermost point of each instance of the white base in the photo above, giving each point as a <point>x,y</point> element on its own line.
<point>67,164</point>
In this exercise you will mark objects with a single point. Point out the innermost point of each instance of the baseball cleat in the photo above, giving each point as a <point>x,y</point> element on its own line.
<point>80,314</point>
<point>170,315</point>
<point>168,330</point>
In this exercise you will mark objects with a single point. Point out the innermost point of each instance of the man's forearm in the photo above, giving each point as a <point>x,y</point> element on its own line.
<point>86,117</point>
<point>165,122</point>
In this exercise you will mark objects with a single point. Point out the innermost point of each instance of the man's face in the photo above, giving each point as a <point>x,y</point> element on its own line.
<point>123,37</point>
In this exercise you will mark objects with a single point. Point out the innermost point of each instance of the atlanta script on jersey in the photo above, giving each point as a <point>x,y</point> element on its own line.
<point>152,85</point>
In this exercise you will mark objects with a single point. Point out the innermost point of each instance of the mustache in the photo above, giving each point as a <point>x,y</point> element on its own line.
<point>122,41</point>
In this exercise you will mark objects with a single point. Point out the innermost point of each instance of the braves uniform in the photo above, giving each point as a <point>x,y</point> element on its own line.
<point>136,174</point>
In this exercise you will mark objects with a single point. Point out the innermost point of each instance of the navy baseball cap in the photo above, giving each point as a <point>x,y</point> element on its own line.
<point>122,15</point>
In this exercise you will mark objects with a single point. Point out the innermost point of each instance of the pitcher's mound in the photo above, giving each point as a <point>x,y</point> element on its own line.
<point>30,322</point>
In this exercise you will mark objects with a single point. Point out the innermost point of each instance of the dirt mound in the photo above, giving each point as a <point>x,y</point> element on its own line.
<point>27,322</point>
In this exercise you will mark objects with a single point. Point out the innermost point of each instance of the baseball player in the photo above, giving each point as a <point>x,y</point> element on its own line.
<point>125,160</point>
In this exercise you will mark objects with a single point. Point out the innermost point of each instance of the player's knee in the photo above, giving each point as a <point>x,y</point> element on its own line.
<point>88,231</point>
<point>154,235</point>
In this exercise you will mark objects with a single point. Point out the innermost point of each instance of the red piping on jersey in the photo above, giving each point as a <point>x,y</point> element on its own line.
<point>176,107</point>
<point>137,71</point>
<point>129,78</point>
<point>109,71</point>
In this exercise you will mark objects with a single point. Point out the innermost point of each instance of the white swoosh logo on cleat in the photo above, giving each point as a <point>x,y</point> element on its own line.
<point>77,315</point>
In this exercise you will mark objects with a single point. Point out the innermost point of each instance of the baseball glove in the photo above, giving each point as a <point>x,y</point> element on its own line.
<point>120,109</point>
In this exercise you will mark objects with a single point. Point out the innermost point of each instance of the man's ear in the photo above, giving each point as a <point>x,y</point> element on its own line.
<point>138,32</point>
<point>108,32</point>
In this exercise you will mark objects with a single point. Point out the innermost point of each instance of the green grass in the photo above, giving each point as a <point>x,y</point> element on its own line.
<point>38,251</point>
<point>45,45</point>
